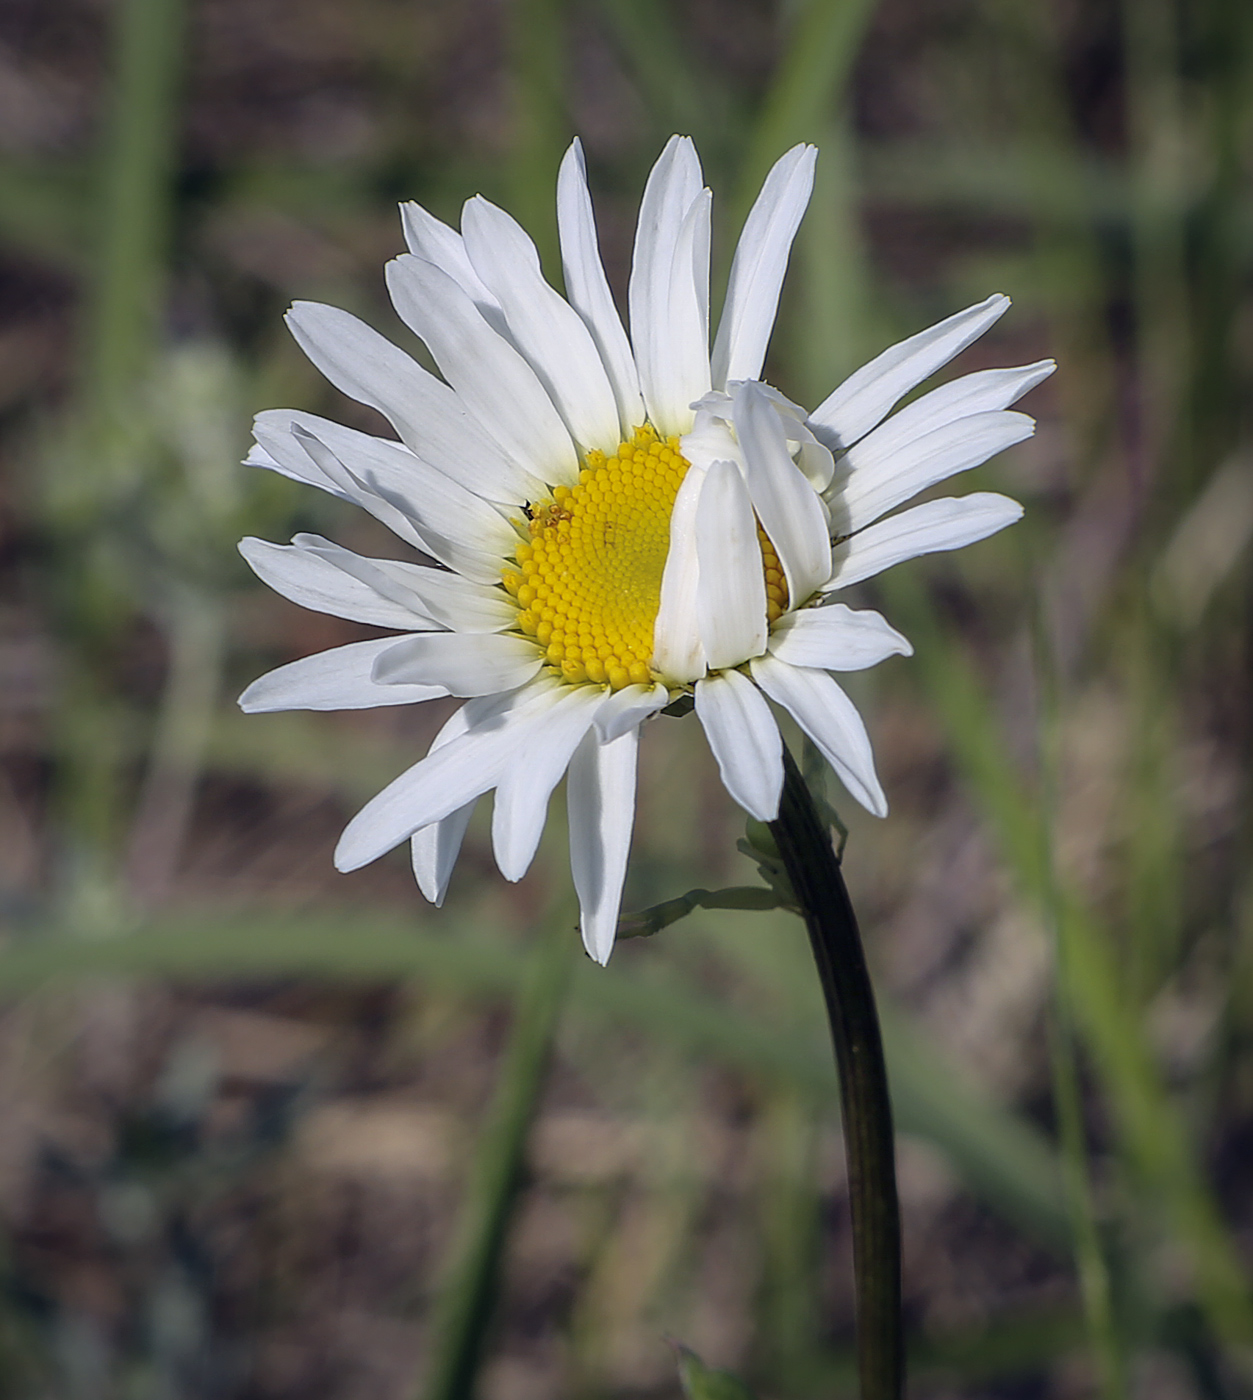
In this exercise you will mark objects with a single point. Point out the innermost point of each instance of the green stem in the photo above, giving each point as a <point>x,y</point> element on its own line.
<point>805,848</point>
<point>466,1305</point>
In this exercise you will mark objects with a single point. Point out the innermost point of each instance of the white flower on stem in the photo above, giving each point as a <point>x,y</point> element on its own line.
<point>615,522</point>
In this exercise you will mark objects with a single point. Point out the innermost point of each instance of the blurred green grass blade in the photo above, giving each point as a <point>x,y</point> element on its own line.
<point>701,1382</point>
<point>1002,1159</point>
<point>464,1310</point>
<point>1155,1138</point>
<point>139,156</point>
<point>812,74</point>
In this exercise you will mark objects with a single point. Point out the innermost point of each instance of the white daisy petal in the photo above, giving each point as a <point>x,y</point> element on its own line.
<point>524,789</point>
<point>949,523</point>
<point>787,506</point>
<point>628,708</point>
<point>433,852</point>
<point>445,519</point>
<point>427,414</point>
<point>463,663</point>
<point>433,241</point>
<point>731,589</point>
<point>491,378</point>
<point>669,310</point>
<point>543,325</point>
<point>339,679</point>
<point>745,740</point>
<point>866,397</point>
<point>600,800</point>
<point>835,638</point>
<point>831,720</point>
<point>879,481</point>
<point>760,262</point>
<point>449,777</point>
<point>314,581</point>
<point>588,288</point>
<point>677,651</point>
<point>985,391</point>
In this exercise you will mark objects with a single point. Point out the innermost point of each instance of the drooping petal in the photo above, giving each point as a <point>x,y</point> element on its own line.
<point>866,397</point>
<point>745,740</point>
<point>628,708</point>
<point>434,241</point>
<point>526,785</point>
<point>949,523</point>
<point>830,718</point>
<point>463,663</point>
<point>430,418</point>
<point>446,519</point>
<point>313,581</point>
<point>789,509</point>
<point>588,288</point>
<point>731,588</point>
<point>600,799</point>
<point>433,852</point>
<point>882,480</point>
<point>760,263</point>
<point>491,378</point>
<point>677,651</point>
<point>339,679</point>
<point>543,325</point>
<point>669,310</point>
<point>447,778</point>
<point>836,638</point>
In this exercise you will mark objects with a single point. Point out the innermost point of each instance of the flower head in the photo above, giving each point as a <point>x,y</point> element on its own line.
<point>614,522</point>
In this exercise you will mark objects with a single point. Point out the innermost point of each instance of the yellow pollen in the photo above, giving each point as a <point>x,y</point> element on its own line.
<point>588,578</point>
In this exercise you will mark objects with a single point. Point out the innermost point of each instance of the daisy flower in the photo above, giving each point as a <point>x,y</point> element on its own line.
<point>615,522</point>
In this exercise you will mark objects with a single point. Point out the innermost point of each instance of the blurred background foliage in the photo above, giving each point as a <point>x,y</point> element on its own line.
<point>268,1131</point>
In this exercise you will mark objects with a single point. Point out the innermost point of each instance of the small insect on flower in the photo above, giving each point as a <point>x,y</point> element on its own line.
<point>616,522</point>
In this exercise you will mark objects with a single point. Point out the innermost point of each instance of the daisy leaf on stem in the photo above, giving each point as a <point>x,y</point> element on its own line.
<point>658,916</point>
<point>805,848</point>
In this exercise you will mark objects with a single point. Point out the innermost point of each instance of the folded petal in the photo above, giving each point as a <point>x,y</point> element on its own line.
<point>882,480</point>
<point>433,852</point>
<point>831,720</point>
<point>677,651</point>
<point>491,378</point>
<point>867,396</point>
<point>835,638</point>
<point>731,588</point>
<point>588,288</point>
<point>315,581</point>
<point>745,740</point>
<point>427,414</point>
<point>600,802</point>
<point>339,679</point>
<point>526,785</point>
<point>669,308</point>
<point>449,777</point>
<point>949,523</point>
<point>789,509</point>
<point>760,263</point>
<point>543,325</point>
<point>463,664</point>
<point>628,708</point>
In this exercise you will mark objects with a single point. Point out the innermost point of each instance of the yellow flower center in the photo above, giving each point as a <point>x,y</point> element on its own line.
<point>588,582</point>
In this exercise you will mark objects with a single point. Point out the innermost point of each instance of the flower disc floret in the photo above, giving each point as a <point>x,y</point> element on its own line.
<point>588,582</point>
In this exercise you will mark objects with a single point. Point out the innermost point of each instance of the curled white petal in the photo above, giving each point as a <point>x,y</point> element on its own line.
<point>678,654</point>
<point>628,708</point>
<point>731,589</point>
<point>339,679</point>
<point>836,638</point>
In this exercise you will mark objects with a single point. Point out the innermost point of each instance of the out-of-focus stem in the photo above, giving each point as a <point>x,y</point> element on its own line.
<point>805,847</point>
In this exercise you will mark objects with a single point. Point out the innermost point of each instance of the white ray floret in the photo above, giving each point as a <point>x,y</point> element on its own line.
<point>616,521</point>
